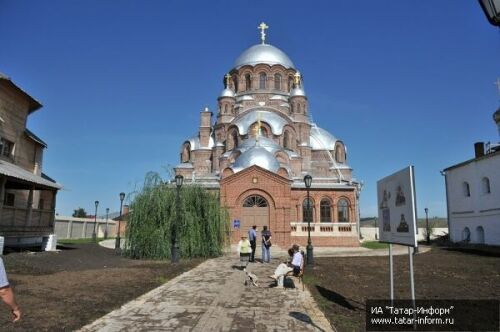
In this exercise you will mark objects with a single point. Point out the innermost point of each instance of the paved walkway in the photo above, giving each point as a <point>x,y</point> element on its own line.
<point>213,297</point>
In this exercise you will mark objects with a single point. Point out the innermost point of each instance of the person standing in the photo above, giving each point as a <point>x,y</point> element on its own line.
<point>266,245</point>
<point>7,294</point>
<point>252,236</point>
<point>244,251</point>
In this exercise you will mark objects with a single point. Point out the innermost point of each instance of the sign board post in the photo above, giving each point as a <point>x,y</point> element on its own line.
<point>397,214</point>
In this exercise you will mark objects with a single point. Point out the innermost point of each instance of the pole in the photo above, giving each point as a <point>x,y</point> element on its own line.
<point>106,228</point>
<point>117,241</point>
<point>174,251</point>
<point>391,272</point>
<point>412,282</point>
<point>427,230</point>
<point>310,258</point>
<point>94,235</point>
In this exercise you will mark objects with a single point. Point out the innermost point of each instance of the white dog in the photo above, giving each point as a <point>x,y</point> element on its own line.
<point>251,277</point>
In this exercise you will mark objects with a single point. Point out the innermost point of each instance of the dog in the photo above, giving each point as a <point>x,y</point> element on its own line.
<point>251,277</point>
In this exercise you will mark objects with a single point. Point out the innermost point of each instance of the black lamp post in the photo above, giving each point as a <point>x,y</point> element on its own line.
<point>491,9</point>
<point>179,179</point>
<point>106,228</point>
<point>309,248</point>
<point>117,242</point>
<point>94,236</point>
<point>427,230</point>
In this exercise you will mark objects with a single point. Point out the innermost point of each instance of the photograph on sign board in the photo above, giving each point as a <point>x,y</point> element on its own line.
<point>397,208</point>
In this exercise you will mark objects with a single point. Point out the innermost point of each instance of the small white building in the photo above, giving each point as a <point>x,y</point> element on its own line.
<point>473,195</point>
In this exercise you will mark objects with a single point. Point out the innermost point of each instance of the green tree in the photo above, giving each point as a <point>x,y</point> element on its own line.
<point>202,224</point>
<point>80,213</point>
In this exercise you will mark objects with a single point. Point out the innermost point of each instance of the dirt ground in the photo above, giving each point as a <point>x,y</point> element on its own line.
<point>65,290</point>
<point>341,285</point>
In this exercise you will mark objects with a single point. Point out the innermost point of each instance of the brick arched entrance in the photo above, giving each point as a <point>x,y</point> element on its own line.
<point>254,211</point>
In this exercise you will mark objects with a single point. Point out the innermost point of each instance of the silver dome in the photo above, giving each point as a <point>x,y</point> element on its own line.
<point>297,92</point>
<point>321,139</point>
<point>275,121</point>
<point>263,53</point>
<point>264,142</point>
<point>227,93</point>
<point>195,143</point>
<point>256,156</point>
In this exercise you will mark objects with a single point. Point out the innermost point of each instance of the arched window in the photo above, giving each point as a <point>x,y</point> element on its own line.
<point>466,188</point>
<point>225,109</point>
<point>466,234</point>
<point>286,138</point>
<point>235,83</point>
<point>255,201</point>
<point>290,83</point>
<point>325,210</point>
<point>480,234</point>
<point>262,81</point>
<point>248,82</point>
<point>277,81</point>
<point>343,210</point>
<point>232,140</point>
<point>186,153</point>
<point>485,183</point>
<point>307,210</point>
<point>339,155</point>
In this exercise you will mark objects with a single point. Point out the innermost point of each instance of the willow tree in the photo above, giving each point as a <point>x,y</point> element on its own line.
<point>202,224</point>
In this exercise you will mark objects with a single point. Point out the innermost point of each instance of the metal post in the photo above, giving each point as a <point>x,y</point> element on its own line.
<point>391,272</point>
<point>309,249</point>
<point>94,235</point>
<point>427,229</point>
<point>175,246</point>
<point>118,240</point>
<point>412,282</point>
<point>106,227</point>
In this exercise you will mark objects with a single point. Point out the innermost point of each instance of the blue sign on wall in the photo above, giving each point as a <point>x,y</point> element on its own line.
<point>236,223</point>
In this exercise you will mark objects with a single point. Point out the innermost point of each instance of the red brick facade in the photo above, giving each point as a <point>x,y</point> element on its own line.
<point>259,148</point>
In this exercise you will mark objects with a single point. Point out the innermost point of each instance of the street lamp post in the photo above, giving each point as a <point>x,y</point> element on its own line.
<point>179,179</point>
<point>94,236</point>
<point>427,230</point>
<point>117,242</point>
<point>309,248</point>
<point>491,9</point>
<point>106,228</point>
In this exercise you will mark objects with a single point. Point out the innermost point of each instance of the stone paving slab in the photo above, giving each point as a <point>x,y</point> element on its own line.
<point>213,297</point>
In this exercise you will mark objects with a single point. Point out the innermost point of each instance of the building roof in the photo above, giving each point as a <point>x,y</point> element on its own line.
<point>321,139</point>
<point>486,156</point>
<point>263,53</point>
<point>275,121</point>
<point>35,138</point>
<point>256,155</point>
<point>34,104</point>
<point>17,172</point>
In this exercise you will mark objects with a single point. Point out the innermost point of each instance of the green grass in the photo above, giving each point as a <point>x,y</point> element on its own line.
<point>374,245</point>
<point>79,241</point>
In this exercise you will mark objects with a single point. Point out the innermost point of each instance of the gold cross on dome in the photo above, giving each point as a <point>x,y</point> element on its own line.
<point>257,129</point>
<point>296,79</point>
<point>227,77</point>
<point>262,27</point>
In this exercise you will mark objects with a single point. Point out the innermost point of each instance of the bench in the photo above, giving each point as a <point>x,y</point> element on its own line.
<point>300,276</point>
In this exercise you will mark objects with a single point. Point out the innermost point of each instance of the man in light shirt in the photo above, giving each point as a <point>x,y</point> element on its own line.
<point>284,268</point>
<point>7,294</point>
<point>252,236</point>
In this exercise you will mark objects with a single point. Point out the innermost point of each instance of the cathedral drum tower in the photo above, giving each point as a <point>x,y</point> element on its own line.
<point>259,148</point>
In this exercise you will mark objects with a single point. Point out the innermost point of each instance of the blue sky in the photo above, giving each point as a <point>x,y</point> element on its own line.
<point>122,83</point>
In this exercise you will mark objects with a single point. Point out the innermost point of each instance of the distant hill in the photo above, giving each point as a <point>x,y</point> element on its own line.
<point>436,221</point>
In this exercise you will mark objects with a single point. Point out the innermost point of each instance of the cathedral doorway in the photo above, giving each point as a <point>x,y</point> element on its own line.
<point>255,211</point>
